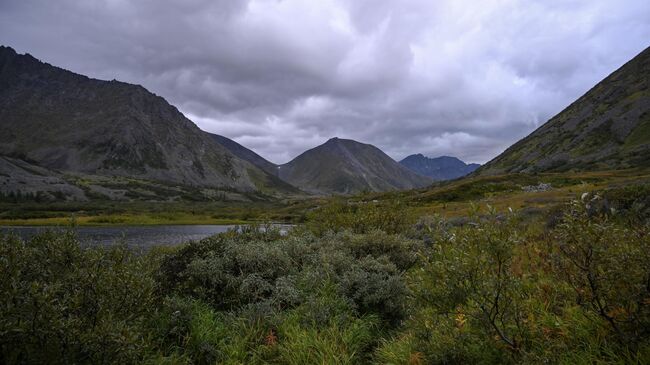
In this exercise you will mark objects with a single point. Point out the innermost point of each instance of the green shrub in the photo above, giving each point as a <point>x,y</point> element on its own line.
<point>61,303</point>
<point>608,266</point>
<point>492,292</point>
<point>469,283</point>
<point>360,217</point>
<point>239,271</point>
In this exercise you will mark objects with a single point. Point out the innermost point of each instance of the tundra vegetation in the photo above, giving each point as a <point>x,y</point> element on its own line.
<point>360,281</point>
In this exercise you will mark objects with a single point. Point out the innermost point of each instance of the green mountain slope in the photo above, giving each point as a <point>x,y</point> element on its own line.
<point>343,166</point>
<point>607,128</point>
<point>67,122</point>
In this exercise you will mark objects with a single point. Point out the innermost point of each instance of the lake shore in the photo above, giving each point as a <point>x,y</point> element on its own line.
<point>123,220</point>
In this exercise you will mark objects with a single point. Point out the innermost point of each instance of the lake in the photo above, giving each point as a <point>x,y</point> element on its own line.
<point>133,236</point>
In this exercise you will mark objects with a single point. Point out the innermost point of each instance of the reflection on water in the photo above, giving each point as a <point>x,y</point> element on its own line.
<point>133,236</point>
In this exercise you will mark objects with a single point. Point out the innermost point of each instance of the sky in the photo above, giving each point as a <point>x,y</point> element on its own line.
<point>463,78</point>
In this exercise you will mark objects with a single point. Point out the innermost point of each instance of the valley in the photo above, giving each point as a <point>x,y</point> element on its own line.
<point>541,255</point>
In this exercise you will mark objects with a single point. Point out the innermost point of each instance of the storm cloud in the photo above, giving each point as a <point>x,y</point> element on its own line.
<point>461,78</point>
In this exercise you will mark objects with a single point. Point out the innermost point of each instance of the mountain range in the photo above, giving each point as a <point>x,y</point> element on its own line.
<point>607,128</point>
<point>65,133</point>
<point>439,168</point>
<point>67,136</point>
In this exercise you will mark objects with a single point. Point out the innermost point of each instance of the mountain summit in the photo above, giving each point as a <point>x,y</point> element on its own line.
<point>439,168</point>
<point>343,166</point>
<point>607,128</point>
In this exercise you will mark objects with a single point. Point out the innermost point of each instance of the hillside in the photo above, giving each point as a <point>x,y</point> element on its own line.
<point>62,121</point>
<point>245,153</point>
<point>343,166</point>
<point>607,128</point>
<point>439,168</point>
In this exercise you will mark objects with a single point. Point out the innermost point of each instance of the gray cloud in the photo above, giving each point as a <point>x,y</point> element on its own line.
<point>413,76</point>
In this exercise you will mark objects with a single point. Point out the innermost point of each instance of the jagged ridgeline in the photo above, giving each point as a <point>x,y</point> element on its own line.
<point>607,128</point>
<point>64,122</point>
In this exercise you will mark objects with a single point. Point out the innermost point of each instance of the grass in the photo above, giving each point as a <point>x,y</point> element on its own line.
<point>124,220</point>
<point>452,199</point>
<point>640,134</point>
<point>107,213</point>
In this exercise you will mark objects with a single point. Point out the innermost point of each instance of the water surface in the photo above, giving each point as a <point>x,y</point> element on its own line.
<point>133,236</point>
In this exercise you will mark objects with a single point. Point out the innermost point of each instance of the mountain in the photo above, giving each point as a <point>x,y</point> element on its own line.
<point>607,128</point>
<point>61,121</point>
<point>343,166</point>
<point>439,168</point>
<point>245,154</point>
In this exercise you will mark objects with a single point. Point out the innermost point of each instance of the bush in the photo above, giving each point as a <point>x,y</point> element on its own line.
<point>470,284</point>
<point>493,291</point>
<point>231,272</point>
<point>65,304</point>
<point>608,266</point>
<point>360,217</point>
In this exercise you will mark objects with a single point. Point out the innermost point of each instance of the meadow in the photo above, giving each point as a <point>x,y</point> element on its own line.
<point>481,271</point>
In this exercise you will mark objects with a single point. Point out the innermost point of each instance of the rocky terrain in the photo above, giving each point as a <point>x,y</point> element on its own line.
<point>63,122</point>
<point>245,154</point>
<point>607,128</point>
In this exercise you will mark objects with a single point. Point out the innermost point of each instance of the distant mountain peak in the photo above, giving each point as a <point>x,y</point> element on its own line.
<point>341,141</point>
<point>345,166</point>
<point>439,168</point>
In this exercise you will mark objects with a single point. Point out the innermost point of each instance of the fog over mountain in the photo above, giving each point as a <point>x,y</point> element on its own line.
<point>279,77</point>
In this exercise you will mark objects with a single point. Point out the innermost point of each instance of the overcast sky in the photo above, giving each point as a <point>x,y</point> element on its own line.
<point>447,77</point>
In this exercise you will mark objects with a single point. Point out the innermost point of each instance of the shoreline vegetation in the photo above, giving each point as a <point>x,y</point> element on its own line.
<point>452,200</point>
<point>368,279</point>
<point>120,220</point>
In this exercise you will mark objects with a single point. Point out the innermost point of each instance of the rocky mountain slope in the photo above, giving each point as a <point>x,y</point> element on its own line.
<point>65,122</point>
<point>607,128</point>
<point>439,168</point>
<point>343,166</point>
<point>245,154</point>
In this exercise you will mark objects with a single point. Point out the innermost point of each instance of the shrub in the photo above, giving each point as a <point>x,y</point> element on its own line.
<point>494,292</point>
<point>359,217</point>
<point>470,283</point>
<point>232,272</point>
<point>62,303</point>
<point>608,266</point>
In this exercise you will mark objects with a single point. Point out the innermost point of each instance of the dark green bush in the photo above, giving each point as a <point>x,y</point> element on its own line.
<point>61,303</point>
<point>235,271</point>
